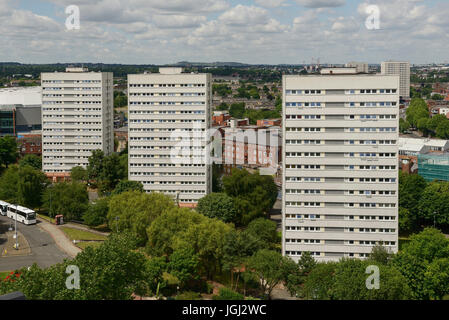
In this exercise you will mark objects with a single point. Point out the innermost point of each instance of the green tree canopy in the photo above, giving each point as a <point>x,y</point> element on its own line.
<point>8,151</point>
<point>68,199</point>
<point>113,271</point>
<point>31,185</point>
<point>79,174</point>
<point>31,160</point>
<point>254,195</point>
<point>270,267</point>
<point>218,205</point>
<point>415,259</point>
<point>97,212</point>
<point>126,185</point>
<point>135,211</point>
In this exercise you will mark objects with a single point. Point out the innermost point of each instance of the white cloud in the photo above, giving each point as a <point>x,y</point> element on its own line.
<point>245,15</point>
<point>321,3</point>
<point>270,3</point>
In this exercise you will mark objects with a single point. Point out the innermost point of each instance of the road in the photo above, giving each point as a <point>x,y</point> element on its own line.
<point>44,250</point>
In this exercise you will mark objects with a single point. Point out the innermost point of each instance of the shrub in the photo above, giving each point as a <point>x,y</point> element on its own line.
<point>228,294</point>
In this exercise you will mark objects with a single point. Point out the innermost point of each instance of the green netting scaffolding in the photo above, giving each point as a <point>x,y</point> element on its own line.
<point>434,167</point>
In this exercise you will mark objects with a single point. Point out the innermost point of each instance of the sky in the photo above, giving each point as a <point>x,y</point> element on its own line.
<point>252,31</point>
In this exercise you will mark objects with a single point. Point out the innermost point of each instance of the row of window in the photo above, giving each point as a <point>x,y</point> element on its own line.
<point>171,94</point>
<point>347,142</point>
<point>345,192</point>
<point>347,104</point>
<point>343,130</point>
<point>340,242</point>
<point>298,204</point>
<point>167,85</point>
<point>343,117</point>
<point>338,229</point>
<point>354,91</point>
<point>339,217</point>
<point>164,103</point>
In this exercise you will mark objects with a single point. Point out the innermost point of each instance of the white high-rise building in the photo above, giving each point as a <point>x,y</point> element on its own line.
<point>401,69</point>
<point>77,118</point>
<point>169,115</point>
<point>340,151</point>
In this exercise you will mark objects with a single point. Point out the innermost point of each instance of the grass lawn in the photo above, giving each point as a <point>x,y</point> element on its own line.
<point>84,245</point>
<point>75,234</point>
<point>46,218</point>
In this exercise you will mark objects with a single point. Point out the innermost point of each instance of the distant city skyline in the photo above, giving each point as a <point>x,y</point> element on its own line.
<point>253,31</point>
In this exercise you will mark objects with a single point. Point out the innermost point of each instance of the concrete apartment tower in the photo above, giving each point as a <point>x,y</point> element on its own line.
<point>169,115</point>
<point>340,151</point>
<point>401,69</point>
<point>77,118</point>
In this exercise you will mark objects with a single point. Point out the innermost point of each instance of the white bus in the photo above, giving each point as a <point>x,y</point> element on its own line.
<point>4,207</point>
<point>24,215</point>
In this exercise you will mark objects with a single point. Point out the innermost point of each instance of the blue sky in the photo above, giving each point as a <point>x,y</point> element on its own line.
<point>253,31</point>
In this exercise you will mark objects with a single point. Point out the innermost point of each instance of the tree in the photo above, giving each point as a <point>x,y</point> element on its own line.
<point>126,185</point>
<point>404,126</point>
<point>184,228</point>
<point>113,271</point>
<point>319,282</point>
<point>31,160</point>
<point>350,282</point>
<point>442,131</point>
<point>424,125</point>
<point>270,267</point>
<point>436,278</point>
<point>238,246</point>
<point>120,101</point>
<point>434,204</point>
<point>135,211</point>
<point>154,274</point>
<point>96,214</point>
<point>68,199</point>
<point>111,172</point>
<point>8,151</point>
<point>254,195</point>
<point>297,276</point>
<point>415,259</point>
<point>95,165</point>
<point>31,185</point>
<point>380,254</point>
<point>78,174</point>
<point>411,188</point>
<point>265,231</point>
<point>183,265</point>
<point>416,111</point>
<point>237,110</point>
<point>9,183</point>
<point>218,205</point>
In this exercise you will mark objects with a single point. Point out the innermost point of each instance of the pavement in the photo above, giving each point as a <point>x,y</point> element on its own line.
<point>44,250</point>
<point>59,237</point>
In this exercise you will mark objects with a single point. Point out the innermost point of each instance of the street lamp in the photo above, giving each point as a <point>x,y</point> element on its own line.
<point>15,234</point>
<point>434,219</point>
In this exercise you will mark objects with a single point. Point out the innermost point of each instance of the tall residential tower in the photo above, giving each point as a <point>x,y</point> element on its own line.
<point>402,69</point>
<point>77,118</point>
<point>169,115</point>
<point>340,188</point>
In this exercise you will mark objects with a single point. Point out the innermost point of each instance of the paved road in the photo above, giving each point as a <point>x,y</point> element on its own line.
<point>44,250</point>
